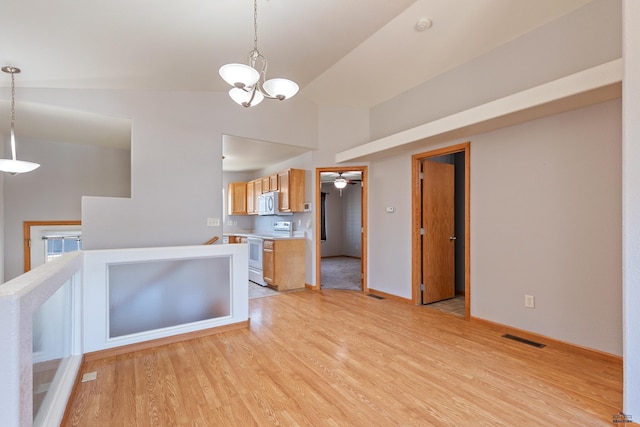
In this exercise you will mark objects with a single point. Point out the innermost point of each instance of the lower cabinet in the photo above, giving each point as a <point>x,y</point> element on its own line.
<point>283,263</point>
<point>237,239</point>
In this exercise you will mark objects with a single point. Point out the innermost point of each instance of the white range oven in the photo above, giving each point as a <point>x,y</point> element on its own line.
<point>255,260</point>
<point>281,229</point>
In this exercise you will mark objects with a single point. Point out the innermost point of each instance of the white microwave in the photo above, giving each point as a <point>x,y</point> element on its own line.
<point>268,203</point>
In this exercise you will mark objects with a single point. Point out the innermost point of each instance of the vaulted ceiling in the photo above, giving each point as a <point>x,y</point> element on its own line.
<point>341,52</point>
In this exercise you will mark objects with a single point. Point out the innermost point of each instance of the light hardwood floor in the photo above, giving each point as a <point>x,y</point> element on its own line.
<point>341,358</point>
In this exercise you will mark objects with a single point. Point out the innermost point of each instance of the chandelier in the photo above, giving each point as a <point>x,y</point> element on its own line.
<point>14,166</point>
<point>249,82</point>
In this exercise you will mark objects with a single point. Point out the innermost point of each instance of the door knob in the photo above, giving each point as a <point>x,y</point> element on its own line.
<point>452,238</point>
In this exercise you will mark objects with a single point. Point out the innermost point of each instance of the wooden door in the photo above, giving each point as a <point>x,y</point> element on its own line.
<point>438,242</point>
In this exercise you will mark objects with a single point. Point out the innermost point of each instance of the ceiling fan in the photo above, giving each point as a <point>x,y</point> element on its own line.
<point>341,181</point>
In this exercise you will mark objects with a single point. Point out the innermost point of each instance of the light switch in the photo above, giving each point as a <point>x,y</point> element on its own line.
<point>213,222</point>
<point>390,209</point>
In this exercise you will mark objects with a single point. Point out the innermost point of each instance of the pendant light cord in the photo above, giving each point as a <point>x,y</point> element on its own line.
<point>13,115</point>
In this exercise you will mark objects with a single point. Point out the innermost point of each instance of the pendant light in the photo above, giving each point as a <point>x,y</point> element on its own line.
<point>14,166</point>
<point>248,81</point>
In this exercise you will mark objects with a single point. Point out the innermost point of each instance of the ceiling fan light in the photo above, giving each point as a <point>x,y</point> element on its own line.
<point>340,182</point>
<point>17,166</point>
<point>239,75</point>
<point>281,88</point>
<point>242,98</point>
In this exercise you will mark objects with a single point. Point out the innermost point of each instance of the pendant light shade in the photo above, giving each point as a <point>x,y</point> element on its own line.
<point>17,166</point>
<point>14,166</point>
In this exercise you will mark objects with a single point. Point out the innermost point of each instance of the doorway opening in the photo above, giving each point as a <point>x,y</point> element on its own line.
<point>44,240</point>
<point>441,227</point>
<point>341,228</point>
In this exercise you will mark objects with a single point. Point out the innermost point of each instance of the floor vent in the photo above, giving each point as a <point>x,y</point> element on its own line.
<point>375,296</point>
<point>523,340</point>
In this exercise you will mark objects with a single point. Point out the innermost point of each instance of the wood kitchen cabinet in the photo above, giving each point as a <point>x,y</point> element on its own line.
<point>283,264</point>
<point>237,198</point>
<point>273,182</point>
<point>237,239</point>
<point>254,189</point>
<point>270,183</point>
<point>252,202</point>
<point>291,182</point>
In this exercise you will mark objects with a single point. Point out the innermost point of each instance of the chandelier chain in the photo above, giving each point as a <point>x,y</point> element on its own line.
<point>255,25</point>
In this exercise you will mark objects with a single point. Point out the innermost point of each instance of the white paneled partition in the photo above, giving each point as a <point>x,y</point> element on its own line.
<point>136,295</point>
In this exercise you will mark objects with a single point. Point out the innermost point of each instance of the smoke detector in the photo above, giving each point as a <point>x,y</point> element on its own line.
<point>423,24</point>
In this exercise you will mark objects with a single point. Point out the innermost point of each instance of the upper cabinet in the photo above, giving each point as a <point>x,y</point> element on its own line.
<point>243,196</point>
<point>270,183</point>
<point>254,189</point>
<point>273,182</point>
<point>291,183</point>
<point>237,198</point>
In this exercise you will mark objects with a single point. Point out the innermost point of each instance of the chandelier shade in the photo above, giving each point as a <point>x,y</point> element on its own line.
<point>13,165</point>
<point>244,98</point>
<point>281,88</point>
<point>239,75</point>
<point>249,82</point>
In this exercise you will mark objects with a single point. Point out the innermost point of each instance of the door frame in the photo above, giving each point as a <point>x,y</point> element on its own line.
<point>416,221</point>
<point>364,213</point>
<point>26,233</point>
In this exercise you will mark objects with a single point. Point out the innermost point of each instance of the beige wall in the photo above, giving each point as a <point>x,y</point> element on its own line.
<point>631,208</point>
<point>545,221</point>
<point>54,191</point>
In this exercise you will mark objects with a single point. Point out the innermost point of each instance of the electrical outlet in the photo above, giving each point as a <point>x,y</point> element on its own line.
<point>529,301</point>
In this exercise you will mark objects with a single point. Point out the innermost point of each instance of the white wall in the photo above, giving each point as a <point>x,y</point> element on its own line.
<point>176,155</point>
<point>334,221</point>
<point>54,190</point>
<point>390,233</point>
<point>352,207</point>
<point>631,207</point>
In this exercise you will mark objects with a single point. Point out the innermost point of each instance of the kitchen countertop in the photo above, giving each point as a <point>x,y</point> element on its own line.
<point>268,235</point>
